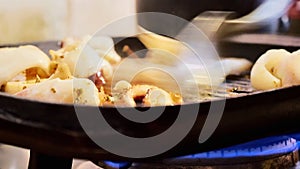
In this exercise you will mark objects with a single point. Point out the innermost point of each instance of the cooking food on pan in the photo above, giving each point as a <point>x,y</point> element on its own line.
<point>276,68</point>
<point>90,72</point>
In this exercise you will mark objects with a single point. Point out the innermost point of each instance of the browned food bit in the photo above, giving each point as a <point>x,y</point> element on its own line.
<point>145,95</point>
<point>98,79</point>
<point>32,73</point>
<point>126,49</point>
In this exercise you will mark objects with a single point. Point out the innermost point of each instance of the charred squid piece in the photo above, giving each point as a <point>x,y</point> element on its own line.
<point>145,95</point>
<point>98,79</point>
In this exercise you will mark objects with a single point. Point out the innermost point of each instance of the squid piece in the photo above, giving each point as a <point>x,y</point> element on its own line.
<point>127,95</point>
<point>82,59</point>
<point>77,90</point>
<point>289,69</point>
<point>104,46</point>
<point>186,79</point>
<point>14,60</point>
<point>276,68</point>
<point>265,74</point>
<point>159,97</point>
<point>84,62</point>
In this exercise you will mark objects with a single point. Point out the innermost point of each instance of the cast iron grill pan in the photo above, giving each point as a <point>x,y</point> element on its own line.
<point>54,129</point>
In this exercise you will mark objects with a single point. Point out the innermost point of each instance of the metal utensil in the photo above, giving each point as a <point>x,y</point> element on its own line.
<point>218,24</point>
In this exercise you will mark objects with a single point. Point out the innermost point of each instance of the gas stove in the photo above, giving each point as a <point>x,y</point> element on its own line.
<point>271,152</point>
